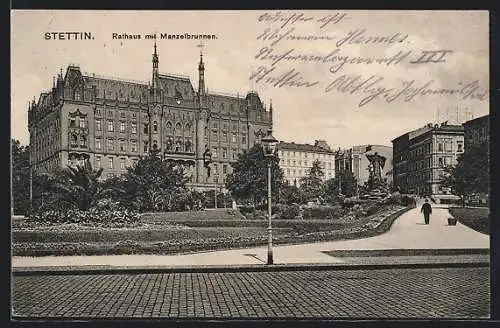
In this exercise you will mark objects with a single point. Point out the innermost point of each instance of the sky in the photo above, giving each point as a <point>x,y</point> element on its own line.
<point>301,114</point>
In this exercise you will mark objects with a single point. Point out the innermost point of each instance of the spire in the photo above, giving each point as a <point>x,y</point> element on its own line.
<point>53,82</point>
<point>201,72</point>
<point>155,57</point>
<point>155,71</point>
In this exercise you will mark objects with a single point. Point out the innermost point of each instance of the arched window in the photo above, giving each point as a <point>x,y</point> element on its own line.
<point>155,126</point>
<point>178,128</point>
<point>146,128</point>
<point>74,140</point>
<point>155,145</point>
<point>188,127</point>
<point>169,128</point>
<point>178,146</point>
<point>83,141</point>
<point>188,145</point>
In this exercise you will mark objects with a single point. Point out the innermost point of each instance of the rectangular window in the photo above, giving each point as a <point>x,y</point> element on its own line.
<point>122,145</point>
<point>72,123</point>
<point>110,126</point>
<point>122,114</point>
<point>98,161</point>
<point>214,152</point>
<point>448,147</point>
<point>145,146</point>
<point>98,143</point>
<point>216,169</point>
<point>122,126</point>
<point>224,136</point>
<point>122,163</point>
<point>243,138</point>
<point>224,169</point>
<point>134,127</point>
<point>145,128</point>
<point>82,123</point>
<point>214,135</point>
<point>110,144</point>
<point>110,113</point>
<point>233,137</point>
<point>460,146</point>
<point>98,112</point>
<point>441,163</point>
<point>234,153</point>
<point>110,163</point>
<point>133,145</point>
<point>224,152</point>
<point>440,146</point>
<point>98,125</point>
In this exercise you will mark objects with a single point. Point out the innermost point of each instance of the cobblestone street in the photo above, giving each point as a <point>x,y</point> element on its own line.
<point>395,293</point>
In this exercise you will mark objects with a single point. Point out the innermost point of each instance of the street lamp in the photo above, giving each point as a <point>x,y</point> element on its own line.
<point>269,146</point>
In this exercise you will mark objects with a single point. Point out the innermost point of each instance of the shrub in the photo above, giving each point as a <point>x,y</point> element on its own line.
<point>324,212</point>
<point>91,216</point>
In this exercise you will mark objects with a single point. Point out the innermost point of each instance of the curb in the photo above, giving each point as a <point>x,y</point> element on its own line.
<point>109,270</point>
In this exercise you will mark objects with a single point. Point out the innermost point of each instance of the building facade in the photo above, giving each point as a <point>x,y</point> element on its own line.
<point>421,156</point>
<point>113,122</point>
<point>297,159</point>
<point>356,160</point>
<point>476,131</point>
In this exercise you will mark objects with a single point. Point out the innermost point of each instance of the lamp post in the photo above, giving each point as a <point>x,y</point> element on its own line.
<point>269,146</point>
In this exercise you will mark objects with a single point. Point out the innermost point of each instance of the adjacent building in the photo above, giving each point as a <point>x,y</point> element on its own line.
<point>113,122</point>
<point>476,131</point>
<point>421,156</point>
<point>356,160</point>
<point>297,159</point>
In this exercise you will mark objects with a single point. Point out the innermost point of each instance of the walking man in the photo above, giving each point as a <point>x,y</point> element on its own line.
<point>427,210</point>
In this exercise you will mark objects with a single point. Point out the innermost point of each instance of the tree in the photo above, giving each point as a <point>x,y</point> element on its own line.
<point>471,173</point>
<point>20,177</point>
<point>290,194</point>
<point>311,185</point>
<point>248,180</point>
<point>78,187</point>
<point>154,184</point>
<point>348,184</point>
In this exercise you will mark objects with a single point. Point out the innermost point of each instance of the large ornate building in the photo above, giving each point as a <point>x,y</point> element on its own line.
<point>476,132</point>
<point>113,123</point>
<point>297,159</point>
<point>421,156</point>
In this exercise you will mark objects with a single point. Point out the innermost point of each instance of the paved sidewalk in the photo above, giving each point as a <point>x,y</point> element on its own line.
<point>407,232</point>
<point>331,294</point>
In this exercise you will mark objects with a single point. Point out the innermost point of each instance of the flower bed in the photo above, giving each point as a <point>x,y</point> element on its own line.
<point>93,216</point>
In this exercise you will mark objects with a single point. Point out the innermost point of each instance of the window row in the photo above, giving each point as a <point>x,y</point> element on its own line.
<point>224,137</point>
<point>111,162</point>
<point>225,126</point>
<point>224,153</point>
<point>110,127</point>
<point>170,145</point>
<point>99,112</point>
<point>325,165</point>
<point>300,154</point>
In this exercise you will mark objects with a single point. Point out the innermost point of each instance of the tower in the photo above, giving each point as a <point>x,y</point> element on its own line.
<point>155,110</point>
<point>203,115</point>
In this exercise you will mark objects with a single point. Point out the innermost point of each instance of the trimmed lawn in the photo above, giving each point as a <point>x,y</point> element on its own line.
<point>177,234</point>
<point>475,218</point>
